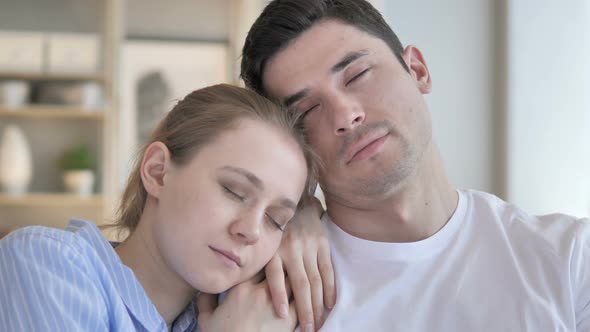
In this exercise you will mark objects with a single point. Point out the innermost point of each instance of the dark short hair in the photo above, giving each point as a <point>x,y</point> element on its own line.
<point>284,20</point>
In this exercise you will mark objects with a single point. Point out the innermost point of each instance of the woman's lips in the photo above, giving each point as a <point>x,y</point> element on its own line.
<point>229,258</point>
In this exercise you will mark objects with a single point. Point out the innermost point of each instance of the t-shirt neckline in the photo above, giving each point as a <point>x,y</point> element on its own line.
<point>354,247</point>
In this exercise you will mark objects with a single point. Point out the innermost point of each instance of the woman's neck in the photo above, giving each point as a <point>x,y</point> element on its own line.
<point>169,293</point>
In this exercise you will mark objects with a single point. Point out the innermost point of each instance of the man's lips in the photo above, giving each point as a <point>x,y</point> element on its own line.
<point>372,141</point>
<point>228,255</point>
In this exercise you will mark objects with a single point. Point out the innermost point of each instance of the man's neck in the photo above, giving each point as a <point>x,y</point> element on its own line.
<point>417,210</point>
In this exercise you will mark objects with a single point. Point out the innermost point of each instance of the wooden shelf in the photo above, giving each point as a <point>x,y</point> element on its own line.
<point>50,200</point>
<point>97,77</point>
<point>67,124</point>
<point>52,111</point>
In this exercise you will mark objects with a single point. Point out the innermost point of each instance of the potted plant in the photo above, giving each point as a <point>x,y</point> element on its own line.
<point>77,164</point>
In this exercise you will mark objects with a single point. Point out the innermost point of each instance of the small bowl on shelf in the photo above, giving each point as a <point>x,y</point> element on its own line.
<point>14,94</point>
<point>87,95</point>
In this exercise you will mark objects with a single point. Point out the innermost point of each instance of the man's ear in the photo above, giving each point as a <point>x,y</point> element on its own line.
<point>154,166</point>
<point>418,68</point>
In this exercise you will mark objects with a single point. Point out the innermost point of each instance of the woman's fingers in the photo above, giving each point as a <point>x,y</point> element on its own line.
<point>302,293</point>
<point>327,273</point>
<point>316,290</point>
<point>275,277</point>
<point>292,317</point>
<point>303,255</point>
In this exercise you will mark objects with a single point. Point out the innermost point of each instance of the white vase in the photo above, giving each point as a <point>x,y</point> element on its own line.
<point>80,182</point>
<point>16,167</point>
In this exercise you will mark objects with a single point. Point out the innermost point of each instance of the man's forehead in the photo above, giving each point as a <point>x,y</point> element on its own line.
<point>315,52</point>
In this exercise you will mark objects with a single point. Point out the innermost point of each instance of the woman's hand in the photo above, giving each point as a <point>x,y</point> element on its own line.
<point>247,307</point>
<point>305,257</point>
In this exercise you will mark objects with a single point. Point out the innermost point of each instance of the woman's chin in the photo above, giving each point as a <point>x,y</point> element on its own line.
<point>215,287</point>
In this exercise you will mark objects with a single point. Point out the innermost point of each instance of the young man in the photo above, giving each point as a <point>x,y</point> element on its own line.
<point>411,252</point>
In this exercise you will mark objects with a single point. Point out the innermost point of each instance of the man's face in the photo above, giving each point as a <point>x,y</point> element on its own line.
<point>364,113</point>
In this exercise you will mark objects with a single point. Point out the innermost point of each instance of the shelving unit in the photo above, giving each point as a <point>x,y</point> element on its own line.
<point>98,77</point>
<point>52,112</point>
<point>59,200</point>
<point>52,128</point>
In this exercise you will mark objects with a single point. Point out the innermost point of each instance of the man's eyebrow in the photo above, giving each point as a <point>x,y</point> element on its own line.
<point>247,174</point>
<point>258,184</point>
<point>348,59</point>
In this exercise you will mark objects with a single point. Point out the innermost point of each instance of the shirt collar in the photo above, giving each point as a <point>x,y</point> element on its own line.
<point>132,293</point>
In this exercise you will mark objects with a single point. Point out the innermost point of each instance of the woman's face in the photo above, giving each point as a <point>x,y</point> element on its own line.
<point>220,218</point>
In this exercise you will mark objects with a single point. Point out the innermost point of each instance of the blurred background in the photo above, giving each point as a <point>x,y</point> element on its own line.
<point>82,82</point>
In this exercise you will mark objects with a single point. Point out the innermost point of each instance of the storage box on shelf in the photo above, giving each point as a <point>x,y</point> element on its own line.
<point>72,53</point>
<point>22,52</point>
<point>49,53</point>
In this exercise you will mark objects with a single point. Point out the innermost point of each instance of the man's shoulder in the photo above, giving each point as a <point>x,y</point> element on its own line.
<point>483,204</point>
<point>557,230</point>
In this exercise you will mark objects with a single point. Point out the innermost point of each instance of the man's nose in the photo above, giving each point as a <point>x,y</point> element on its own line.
<point>347,116</point>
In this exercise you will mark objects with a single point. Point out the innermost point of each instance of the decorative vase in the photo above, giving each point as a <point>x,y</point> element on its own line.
<point>16,167</point>
<point>79,182</point>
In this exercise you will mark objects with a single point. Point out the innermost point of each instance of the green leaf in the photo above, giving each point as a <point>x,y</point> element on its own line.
<point>77,157</point>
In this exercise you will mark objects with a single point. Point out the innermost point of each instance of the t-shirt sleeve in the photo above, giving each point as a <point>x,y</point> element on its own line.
<point>47,284</point>
<point>581,275</point>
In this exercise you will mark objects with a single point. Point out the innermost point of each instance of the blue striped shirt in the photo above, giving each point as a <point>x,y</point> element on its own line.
<point>73,280</point>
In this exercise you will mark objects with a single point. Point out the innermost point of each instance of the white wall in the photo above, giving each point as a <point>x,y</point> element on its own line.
<point>510,76</point>
<point>54,15</point>
<point>456,38</point>
<point>178,19</point>
<point>549,105</point>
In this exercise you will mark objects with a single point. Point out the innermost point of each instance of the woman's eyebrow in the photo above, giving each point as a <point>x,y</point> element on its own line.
<point>256,182</point>
<point>288,204</point>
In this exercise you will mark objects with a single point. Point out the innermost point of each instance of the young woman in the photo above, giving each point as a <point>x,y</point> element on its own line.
<point>205,207</point>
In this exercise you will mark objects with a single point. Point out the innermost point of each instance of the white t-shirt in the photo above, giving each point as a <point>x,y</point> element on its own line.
<point>492,267</point>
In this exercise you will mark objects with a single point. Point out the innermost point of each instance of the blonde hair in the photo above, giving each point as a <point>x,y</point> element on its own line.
<point>198,119</point>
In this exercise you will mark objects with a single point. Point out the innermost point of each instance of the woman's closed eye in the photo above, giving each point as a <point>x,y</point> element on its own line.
<point>234,194</point>
<point>275,223</point>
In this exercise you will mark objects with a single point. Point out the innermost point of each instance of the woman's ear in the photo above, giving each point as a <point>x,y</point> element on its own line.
<point>154,166</point>
<point>418,68</point>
